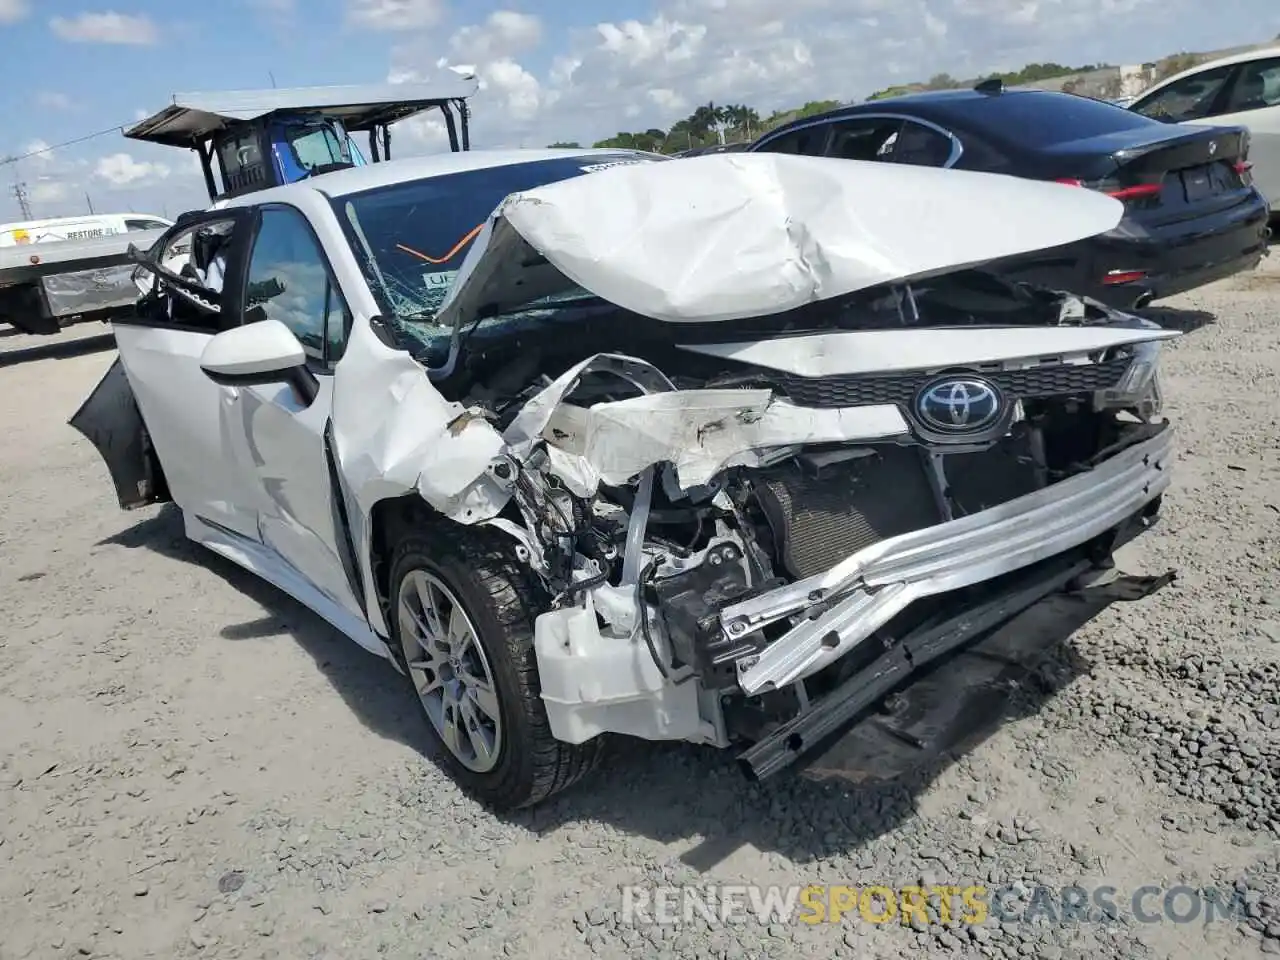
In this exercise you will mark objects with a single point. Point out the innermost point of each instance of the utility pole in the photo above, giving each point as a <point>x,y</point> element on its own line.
<point>24,204</point>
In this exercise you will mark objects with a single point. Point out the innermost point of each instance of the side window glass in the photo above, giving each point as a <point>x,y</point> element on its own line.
<point>1187,99</point>
<point>920,145</point>
<point>1258,86</point>
<point>196,253</point>
<point>808,141</point>
<point>242,162</point>
<point>869,139</point>
<point>317,148</point>
<point>199,252</point>
<point>289,280</point>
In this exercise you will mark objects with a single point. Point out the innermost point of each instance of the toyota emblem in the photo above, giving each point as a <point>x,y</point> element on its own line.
<point>959,405</point>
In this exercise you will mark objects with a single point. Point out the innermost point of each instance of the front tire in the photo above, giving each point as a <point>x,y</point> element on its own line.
<point>462,629</point>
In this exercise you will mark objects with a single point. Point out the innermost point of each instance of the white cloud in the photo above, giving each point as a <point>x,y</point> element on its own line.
<point>11,11</point>
<point>636,43</point>
<point>37,152</point>
<point>504,34</point>
<point>394,15</point>
<point>52,100</point>
<point>121,170</point>
<point>519,89</point>
<point>106,27</point>
<point>667,99</point>
<point>640,73</point>
<point>426,132</point>
<point>49,190</point>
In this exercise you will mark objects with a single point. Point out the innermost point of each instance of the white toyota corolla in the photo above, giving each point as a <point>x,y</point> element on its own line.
<point>722,450</point>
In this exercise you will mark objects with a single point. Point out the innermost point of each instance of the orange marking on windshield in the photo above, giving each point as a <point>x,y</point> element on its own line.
<point>471,235</point>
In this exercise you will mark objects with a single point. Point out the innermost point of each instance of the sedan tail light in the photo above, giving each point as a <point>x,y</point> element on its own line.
<point>1141,191</point>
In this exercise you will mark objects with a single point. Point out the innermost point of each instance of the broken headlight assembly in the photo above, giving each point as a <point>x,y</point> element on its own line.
<point>1139,389</point>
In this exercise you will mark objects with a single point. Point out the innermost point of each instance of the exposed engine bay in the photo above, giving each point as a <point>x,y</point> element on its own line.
<point>669,489</point>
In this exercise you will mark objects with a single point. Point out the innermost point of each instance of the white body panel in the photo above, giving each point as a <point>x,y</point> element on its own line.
<point>183,410</point>
<point>283,462</point>
<point>248,468</point>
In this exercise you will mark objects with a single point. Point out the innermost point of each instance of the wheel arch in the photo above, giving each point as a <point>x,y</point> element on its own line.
<point>392,517</point>
<point>389,520</point>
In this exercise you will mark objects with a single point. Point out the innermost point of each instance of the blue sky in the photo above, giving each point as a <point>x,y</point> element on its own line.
<point>549,70</point>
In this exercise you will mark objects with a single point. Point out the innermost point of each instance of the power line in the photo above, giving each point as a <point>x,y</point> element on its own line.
<point>65,143</point>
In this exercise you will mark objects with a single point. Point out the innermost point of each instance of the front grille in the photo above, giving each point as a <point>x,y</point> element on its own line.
<point>1050,380</point>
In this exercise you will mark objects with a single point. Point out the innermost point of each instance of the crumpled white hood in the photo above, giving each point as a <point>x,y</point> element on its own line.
<point>730,236</point>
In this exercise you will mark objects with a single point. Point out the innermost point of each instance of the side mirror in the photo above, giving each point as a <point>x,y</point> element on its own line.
<point>259,353</point>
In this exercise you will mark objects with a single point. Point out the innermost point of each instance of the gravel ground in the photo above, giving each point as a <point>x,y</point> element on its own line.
<point>195,766</point>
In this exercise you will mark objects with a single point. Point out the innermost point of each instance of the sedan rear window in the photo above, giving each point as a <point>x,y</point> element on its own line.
<point>1045,119</point>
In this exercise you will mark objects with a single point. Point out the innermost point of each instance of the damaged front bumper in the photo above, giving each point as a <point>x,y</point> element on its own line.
<point>835,611</point>
<point>930,712</point>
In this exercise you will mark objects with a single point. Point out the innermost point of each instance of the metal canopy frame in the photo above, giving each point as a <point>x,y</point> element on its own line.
<point>193,120</point>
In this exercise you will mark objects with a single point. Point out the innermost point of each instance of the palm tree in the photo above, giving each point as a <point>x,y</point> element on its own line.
<point>704,120</point>
<point>741,119</point>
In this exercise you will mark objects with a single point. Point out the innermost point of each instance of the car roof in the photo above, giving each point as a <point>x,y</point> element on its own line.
<point>929,104</point>
<point>342,183</point>
<point>1248,56</point>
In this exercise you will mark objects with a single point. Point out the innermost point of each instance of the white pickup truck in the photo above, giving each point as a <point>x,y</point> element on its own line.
<point>38,293</point>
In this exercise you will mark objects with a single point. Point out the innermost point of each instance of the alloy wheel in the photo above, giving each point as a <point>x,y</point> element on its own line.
<point>450,670</point>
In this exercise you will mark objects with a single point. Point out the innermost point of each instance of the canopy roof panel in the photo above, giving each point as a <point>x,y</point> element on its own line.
<point>193,117</point>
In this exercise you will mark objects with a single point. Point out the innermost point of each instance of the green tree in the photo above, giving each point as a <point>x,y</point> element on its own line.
<point>565,145</point>
<point>742,121</point>
<point>894,91</point>
<point>705,121</point>
<point>651,140</point>
<point>814,107</point>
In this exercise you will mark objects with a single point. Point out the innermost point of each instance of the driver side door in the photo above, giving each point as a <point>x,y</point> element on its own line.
<point>280,436</point>
<point>155,417</point>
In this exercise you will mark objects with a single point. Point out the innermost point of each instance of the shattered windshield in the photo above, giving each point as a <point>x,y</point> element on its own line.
<point>411,238</point>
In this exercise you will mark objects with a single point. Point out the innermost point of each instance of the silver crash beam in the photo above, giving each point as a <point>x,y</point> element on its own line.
<point>874,585</point>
